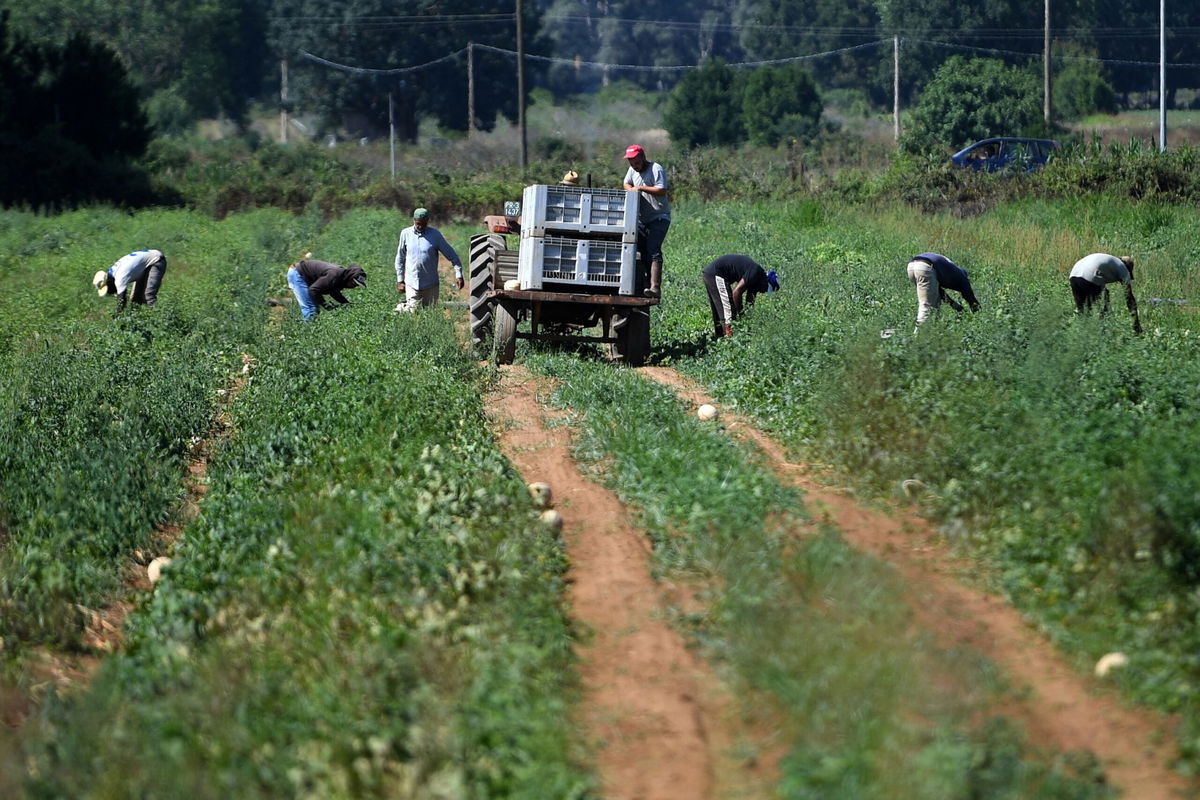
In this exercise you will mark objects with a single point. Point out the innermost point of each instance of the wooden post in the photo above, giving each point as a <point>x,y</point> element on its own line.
<point>392,132</point>
<point>1162,75</point>
<point>521,87</point>
<point>1046,66</point>
<point>283,99</point>
<point>470,89</point>
<point>896,86</point>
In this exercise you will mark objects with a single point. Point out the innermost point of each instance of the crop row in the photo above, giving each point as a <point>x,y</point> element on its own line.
<point>814,639</point>
<point>1060,450</point>
<point>98,416</point>
<point>367,604</point>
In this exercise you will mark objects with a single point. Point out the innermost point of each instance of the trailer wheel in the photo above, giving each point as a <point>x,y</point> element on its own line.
<point>505,342</point>
<point>633,338</point>
<point>483,280</point>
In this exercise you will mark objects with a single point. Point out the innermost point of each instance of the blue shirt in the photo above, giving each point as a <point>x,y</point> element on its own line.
<point>417,257</point>
<point>949,275</point>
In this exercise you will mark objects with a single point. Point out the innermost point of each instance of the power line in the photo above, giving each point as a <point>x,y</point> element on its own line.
<point>394,71</point>
<point>686,67</point>
<point>681,67</point>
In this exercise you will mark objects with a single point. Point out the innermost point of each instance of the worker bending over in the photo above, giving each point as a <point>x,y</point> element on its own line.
<point>730,281</point>
<point>1090,278</point>
<point>933,274</point>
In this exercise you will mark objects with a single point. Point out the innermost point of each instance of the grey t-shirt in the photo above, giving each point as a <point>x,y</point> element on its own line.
<point>652,207</point>
<point>1101,268</point>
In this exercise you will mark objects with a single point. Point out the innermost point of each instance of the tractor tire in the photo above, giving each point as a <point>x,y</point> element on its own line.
<point>505,341</point>
<point>483,279</point>
<point>633,338</point>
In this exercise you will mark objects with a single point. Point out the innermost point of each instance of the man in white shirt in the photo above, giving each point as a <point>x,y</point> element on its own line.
<point>417,260</point>
<point>144,269</point>
<point>1090,278</point>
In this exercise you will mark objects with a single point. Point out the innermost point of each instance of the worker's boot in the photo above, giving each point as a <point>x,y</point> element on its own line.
<point>655,279</point>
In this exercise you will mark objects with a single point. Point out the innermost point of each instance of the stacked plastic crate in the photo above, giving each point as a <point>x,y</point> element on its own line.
<point>575,237</point>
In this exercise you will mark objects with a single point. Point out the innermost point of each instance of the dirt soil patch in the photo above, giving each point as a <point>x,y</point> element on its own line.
<point>1060,708</point>
<point>657,719</point>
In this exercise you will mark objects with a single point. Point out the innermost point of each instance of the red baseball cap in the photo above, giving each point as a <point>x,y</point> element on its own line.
<point>634,150</point>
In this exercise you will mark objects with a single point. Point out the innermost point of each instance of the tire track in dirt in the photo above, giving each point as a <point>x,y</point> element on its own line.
<point>1064,710</point>
<point>654,715</point>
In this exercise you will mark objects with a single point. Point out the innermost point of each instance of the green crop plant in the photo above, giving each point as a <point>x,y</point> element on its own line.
<point>366,606</point>
<point>809,634</point>
<point>100,415</point>
<point>1058,450</point>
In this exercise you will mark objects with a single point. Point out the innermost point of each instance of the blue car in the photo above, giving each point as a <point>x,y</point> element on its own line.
<point>1006,153</point>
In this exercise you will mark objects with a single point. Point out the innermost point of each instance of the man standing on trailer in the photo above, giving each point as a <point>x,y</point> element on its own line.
<point>144,269</point>
<point>649,180</point>
<point>933,274</point>
<point>730,280</point>
<point>417,261</point>
<point>1090,278</point>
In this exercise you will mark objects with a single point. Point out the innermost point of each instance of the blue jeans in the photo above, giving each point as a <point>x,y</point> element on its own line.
<point>299,288</point>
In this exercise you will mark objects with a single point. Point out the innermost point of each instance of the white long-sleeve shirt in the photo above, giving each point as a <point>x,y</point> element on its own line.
<point>417,257</point>
<point>128,269</point>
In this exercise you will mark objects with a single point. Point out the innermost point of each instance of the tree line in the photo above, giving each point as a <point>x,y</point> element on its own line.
<point>192,59</point>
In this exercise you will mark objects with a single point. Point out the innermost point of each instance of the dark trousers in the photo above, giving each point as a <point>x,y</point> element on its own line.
<point>650,241</point>
<point>1086,294</point>
<point>720,301</point>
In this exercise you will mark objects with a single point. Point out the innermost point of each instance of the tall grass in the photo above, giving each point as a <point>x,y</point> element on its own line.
<point>1056,448</point>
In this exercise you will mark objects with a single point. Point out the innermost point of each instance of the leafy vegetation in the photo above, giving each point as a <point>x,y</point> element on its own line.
<point>368,604</point>
<point>1057,450</point>
<point>99,416</point>
<point>971,99</point>
<point>800,623</point>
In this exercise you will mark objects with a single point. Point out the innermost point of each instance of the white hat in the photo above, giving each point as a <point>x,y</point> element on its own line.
<point>100,281</point>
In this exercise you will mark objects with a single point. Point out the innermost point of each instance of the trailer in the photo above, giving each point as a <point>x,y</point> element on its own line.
<point>573,276</point>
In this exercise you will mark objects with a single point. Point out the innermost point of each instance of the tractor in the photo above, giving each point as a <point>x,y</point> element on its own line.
<point>575,268</point>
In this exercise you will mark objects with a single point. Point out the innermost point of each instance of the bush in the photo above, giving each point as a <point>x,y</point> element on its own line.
<point>1080,89</point>
<point>780,104</point>
<point>971,99</point>
<point>705,107</point>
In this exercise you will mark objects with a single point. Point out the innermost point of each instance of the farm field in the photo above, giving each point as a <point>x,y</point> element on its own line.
<point>367,603</point>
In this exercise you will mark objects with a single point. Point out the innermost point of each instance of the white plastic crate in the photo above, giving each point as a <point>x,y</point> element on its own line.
<point>546,210</point>
<point>576,262</point>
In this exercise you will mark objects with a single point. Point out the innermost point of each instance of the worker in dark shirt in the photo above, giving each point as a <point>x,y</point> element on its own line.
<point>312,281</point>
<point>933,274</point>
<point>732,280</point>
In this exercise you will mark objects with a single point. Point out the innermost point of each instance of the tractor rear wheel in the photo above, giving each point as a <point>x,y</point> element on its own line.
<point>483,279</point>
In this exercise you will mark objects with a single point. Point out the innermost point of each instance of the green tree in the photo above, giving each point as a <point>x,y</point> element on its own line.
<point>644,33</point>
<point>705,107</point>
<point>970,99</point>
<point>383,35</point>
<point>1079,87</point>
<point>209,55</point>
<point>780,104</point>
<point>774,29</point>
<point>70,123</point>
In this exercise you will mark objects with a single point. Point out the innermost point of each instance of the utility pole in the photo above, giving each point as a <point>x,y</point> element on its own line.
<point>470,89</point>
<point>1046,67</point>
<point>283,100</point>
<point>1162,75</point>
<point>521,86</point>
<point>896,86</point>
<point>392,132</point>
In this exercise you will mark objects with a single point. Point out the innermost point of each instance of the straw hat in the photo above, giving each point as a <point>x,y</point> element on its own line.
<point>570,179</point>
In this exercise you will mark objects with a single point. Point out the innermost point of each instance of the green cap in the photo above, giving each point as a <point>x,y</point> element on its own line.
<point>421,213</point>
